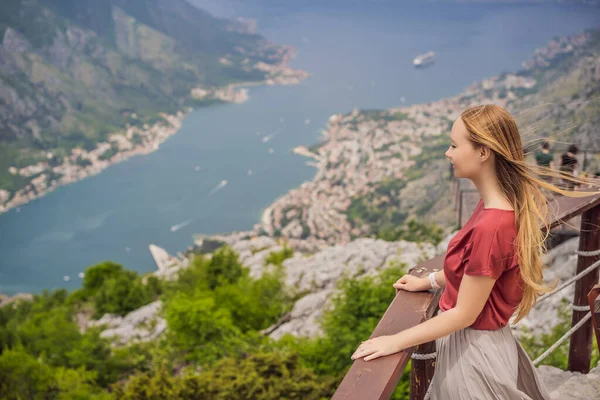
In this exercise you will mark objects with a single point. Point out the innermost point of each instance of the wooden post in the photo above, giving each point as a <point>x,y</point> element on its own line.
<point>580,349</point>
<point>421,372</point>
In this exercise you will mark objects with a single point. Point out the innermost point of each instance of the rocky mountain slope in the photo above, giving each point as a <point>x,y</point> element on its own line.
<point>74,72</point>
<point>564,105</point>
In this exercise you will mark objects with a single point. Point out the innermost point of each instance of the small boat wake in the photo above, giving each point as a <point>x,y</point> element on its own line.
<point>220,186</point>
<point>265,139</point>
<point>183,224</point>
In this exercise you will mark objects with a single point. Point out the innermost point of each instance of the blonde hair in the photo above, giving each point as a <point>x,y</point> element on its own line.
<point>493,127</point>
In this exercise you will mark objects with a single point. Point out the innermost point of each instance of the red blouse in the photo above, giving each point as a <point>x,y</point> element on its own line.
<point>485,246</point>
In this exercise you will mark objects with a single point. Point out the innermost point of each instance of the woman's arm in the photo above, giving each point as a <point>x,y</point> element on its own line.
<point>412,283</point>
<point>473,293</point>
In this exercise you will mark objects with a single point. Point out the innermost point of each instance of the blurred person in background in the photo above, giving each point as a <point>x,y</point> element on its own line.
<point>545,158</point>
<point>570,165</point>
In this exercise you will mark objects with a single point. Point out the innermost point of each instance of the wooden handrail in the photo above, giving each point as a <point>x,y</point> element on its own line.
<point>378,378</point>
<point>564,208</point>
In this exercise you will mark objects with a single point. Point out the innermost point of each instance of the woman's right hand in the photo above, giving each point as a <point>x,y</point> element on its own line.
<point>412,283</point>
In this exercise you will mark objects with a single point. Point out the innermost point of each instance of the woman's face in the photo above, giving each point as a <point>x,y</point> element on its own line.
<point>462,154</point>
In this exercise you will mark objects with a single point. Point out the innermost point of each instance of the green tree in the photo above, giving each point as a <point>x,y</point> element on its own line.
<point>121,294</point>
<point>261,376</point>
<point>50,335</point>
<point>191,278</point>
<point>254,304</point>
<point>112,289</point>
<point>78,384</point>
<point>24,377</point>
<point>223,268</point>
<point>96,275</point>
<point>413,231</point>
<point>160,385</point>
<point>278,257</point>
<point>201,328</point>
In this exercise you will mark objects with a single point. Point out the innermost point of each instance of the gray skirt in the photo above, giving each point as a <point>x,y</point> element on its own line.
<point>480,364</point>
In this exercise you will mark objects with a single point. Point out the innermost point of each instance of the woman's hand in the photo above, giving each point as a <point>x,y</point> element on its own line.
<point>378,347</point>
<point>411,283</point>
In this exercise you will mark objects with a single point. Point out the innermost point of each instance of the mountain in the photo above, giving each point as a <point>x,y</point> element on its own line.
<point>564,105</point>
<point>74,71</point>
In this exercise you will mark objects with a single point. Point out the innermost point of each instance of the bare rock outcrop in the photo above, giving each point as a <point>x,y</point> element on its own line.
<point>142,325</point>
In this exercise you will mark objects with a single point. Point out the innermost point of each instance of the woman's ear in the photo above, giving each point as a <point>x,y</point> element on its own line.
<point>484,153</point>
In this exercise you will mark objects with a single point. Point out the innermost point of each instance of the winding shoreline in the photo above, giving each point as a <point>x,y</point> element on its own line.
<point>134,141</point>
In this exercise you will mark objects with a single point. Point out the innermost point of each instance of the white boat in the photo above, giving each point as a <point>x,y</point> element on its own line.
<point>424,59</point>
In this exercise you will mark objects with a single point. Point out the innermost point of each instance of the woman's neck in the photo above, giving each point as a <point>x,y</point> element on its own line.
<point>490,192</point>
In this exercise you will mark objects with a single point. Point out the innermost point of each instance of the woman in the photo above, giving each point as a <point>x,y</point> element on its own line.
<point>492,269</point>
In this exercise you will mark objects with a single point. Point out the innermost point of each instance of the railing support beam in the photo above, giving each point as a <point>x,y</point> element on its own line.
<point>421,372</point>
<point>580,349</point>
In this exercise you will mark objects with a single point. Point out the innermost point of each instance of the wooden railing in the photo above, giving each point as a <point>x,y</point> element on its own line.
<point>377,379</point>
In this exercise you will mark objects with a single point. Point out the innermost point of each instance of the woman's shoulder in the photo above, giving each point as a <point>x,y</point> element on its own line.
<point>495,221</point>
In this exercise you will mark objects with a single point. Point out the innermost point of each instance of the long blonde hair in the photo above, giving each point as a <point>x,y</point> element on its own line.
<point>493,127</point>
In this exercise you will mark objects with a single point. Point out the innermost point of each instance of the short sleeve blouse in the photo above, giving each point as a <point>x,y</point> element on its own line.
<point>486,246</point>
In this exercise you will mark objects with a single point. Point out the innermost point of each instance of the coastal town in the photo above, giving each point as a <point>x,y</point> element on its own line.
<point>81,163</point>
<point>358,152</point>
<point>276,74</point>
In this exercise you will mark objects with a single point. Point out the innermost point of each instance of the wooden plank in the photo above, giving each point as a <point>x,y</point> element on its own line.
<point>377,379</point>
<point>564,208</point>
<point>580,350</point>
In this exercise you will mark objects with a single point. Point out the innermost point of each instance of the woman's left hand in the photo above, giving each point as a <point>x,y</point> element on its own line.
<point>377,347</point>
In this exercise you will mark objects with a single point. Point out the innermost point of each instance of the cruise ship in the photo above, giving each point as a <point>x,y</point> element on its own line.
<point>424,59</point>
